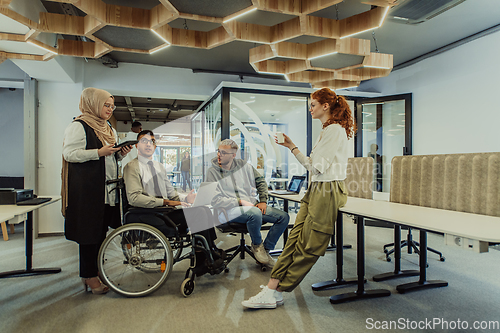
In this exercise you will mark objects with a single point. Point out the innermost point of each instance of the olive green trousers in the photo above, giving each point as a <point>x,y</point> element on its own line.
<point>311,233</point>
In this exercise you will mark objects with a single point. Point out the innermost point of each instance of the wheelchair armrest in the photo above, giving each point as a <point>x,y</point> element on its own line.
<point>157,211</point>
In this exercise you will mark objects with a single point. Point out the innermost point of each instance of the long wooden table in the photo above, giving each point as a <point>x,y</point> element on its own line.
<point>473,226</point>
<point>8,212</point>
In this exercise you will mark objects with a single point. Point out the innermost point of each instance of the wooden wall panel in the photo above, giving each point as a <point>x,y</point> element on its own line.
<point>291,7</point>
<point>128,17</point>
<point>321,27</point>
<point>218,37</point>
<point>379,60</point>
<point>12,37</point>
<point>75,48</point>
<point>19,18</point>
<point>261,53</point>
<point>354,46</point>
<point>291,50</point>
<point>309,6</point>
<point>286,30</point>
<point>294,66</point>
<point>159,16</point>
<point>189,38</point>
<point>361,22</point>
<point>23,56</point>
<point>62,24</point>
<point>250,32</point>
<point>95,8</point>
<point>91,25</point>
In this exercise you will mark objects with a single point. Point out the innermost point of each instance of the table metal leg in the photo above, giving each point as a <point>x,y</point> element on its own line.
<point>339,281</point>
<point>285,233</point>
<point>422,283</point>
<point>28,241</point>
<point>333,246</point>
<point>397,261</point>
<point>361,293</point>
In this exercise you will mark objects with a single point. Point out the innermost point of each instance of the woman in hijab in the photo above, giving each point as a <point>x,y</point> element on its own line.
<point>89,159</point>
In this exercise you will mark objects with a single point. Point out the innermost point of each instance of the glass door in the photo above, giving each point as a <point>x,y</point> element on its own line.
<point>197,149</point>
<point>384,131</point>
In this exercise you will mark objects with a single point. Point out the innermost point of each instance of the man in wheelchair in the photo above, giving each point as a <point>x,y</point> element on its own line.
<point>147,186</point>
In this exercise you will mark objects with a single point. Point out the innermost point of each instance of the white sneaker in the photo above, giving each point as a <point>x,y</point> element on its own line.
<point>279,297</point>
<point>260,253</point>
<point>263,300</point>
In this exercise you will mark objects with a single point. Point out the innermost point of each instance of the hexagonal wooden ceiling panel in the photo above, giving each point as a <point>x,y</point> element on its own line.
<point>288,37</point>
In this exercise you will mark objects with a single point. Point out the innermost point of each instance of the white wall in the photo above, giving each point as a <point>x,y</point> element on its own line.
<point>166,82</point>
<point>11,133</point>
<point>454,98</point>
<point>58,106</point>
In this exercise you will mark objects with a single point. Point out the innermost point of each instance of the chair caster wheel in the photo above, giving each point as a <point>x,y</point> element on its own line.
<point>226,270</point>
<point>187,287</point>
<point>388,259</point>
<point>385,251</point>
<point>442,259</point>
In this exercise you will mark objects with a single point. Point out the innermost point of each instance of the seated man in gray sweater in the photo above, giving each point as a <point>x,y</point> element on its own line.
<point>237,180</point>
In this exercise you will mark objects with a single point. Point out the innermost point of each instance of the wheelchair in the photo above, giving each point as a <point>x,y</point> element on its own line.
<point>137,258</point>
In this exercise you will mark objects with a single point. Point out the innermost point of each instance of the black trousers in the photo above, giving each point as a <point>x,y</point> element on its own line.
<point>90,252</point>
<point>178,217</point>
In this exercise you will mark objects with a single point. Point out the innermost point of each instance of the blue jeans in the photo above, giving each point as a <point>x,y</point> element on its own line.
<point>254,219</point>
<point>186,179</point>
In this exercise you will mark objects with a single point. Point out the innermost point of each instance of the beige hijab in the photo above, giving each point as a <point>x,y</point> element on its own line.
<point>91,103</point>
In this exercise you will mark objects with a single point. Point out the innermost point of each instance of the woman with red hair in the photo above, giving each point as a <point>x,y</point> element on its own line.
<point>314,225</point>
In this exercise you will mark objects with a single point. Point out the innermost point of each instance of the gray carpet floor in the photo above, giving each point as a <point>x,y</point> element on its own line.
<point>57,303</point>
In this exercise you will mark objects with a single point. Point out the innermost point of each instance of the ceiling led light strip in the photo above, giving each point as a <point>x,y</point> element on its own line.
<point>244,13</point>
<point>381,67</point>
<point>346,88</point>
<point>43,48</point>
<point>323,55</point>
<point>274,73</point>
<point>163,38</point>
<point>161,48</point>
<point>384,16</point>
<point>359,32</point>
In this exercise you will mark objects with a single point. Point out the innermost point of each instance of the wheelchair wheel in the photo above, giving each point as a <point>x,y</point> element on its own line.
<point>187,287</point>
<point>135,260</point>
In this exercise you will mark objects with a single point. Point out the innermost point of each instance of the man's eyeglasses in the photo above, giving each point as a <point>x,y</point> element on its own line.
<point>223,153</point>
<point>110,106</point>
<point>146,141</point>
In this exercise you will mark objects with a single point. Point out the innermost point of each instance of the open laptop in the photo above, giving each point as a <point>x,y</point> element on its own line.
<point>294,186</point>
<point>205,194</point>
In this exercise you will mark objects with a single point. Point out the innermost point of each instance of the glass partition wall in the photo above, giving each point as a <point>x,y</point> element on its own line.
<point>384,131</point>
<point>252,118</point>
<point>255,118</point>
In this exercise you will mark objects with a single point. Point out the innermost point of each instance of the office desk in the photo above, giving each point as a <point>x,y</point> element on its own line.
<point>4,217</point>
<point>273,181</point>
<point>10,211</point>
<point>473,226</point>
<point>286,198</point>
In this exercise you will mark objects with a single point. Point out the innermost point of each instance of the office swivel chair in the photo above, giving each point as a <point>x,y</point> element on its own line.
<point>412,245</point>
<point>236,228</point>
